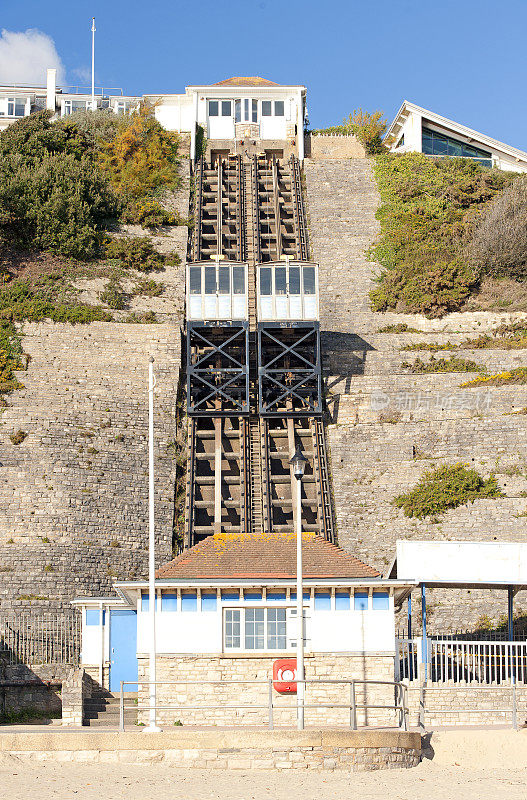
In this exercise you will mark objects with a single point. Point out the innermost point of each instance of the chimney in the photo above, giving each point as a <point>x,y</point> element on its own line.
<point>51,89</point>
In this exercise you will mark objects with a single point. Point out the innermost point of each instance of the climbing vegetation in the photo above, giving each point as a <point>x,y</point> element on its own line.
<point>368,128</point>
<point>447,487</point>
<point>429,210</point>
<point>454,364</point>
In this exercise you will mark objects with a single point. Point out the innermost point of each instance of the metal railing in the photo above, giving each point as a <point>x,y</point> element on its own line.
<point>451,661</point>
<point>399,705</point>
<point>40,638</point>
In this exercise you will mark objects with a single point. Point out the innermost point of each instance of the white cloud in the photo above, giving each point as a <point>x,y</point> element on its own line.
<point>83,74</point>
<point>26,55</point>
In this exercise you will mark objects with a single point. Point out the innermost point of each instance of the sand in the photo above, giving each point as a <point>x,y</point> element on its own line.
<point>23,780</point>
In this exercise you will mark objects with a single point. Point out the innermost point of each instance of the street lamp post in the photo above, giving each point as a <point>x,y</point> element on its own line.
<point>298,464</point>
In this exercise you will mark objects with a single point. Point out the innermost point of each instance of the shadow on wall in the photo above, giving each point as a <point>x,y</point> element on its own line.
<point>30,692</point>
<point>343,358</point>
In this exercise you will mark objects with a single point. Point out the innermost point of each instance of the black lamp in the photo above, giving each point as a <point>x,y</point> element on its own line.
<point>298,462</point>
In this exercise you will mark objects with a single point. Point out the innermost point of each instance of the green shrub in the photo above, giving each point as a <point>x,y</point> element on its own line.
<point>150,288</point>
<point>454,364</point>
<point>429,207</point>
<point>135,253</point>
<point>21,300</point>
<point>447,487</point>
<point>113,294</point>
<point>52,194</point>
<point>399,327</point>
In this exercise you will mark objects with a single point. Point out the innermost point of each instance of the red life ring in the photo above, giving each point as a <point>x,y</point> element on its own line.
<point>284,675</point>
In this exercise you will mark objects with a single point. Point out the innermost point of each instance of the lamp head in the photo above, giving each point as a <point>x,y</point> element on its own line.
<point>298,462</point>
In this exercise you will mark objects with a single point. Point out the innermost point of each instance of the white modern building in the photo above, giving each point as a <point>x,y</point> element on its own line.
<point>417,130</point>
<point>237,110</point>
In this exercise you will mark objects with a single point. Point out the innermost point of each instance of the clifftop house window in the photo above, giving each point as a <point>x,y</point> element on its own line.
<point>16,106</point>
<point>255,629</point>
<point>439,144</point>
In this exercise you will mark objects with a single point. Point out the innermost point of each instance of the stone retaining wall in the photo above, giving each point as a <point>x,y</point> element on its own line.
<point>325,146</point>
<point>350,751</point>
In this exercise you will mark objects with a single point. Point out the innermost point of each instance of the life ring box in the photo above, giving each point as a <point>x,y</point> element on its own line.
<point>284,675</point>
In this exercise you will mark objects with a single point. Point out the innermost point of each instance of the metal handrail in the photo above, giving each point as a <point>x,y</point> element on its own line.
<point>400,703</point>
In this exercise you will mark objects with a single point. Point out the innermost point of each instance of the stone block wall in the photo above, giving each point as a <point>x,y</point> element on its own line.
<point>467,705</point>
<point>31,688</point>
<point>74,493</point>
<point>385,425</point>
<point>232,671</point>
<point>324,147</point>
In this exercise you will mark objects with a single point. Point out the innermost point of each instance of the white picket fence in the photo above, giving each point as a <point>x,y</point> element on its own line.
<point>451,661</point>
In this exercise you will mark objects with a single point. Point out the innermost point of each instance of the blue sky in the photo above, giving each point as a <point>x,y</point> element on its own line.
<point>465,59</point>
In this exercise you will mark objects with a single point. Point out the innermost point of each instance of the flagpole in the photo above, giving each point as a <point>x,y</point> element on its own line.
<point>93,64</point>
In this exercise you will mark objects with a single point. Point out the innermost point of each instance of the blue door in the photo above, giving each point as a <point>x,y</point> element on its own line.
<point>123,649</point>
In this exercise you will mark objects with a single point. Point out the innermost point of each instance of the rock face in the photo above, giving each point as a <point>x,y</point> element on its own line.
<point>74,493</point>
<point>388,426</point>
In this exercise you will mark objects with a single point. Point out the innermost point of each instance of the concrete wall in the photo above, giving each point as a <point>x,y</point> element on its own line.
<point>244,667</point>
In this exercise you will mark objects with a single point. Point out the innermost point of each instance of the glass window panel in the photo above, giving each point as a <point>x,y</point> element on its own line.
<point>294,280</point>
<point>189,602</point>
<point>168,601</point>
<point>280,285</point>
<point>195,280</point>
<point>342,601</point>
<point>455,148</point>
<point>309,280</point>
<point>266,108</point>
<point>226,108</point>
<point>246,110</point>
<point>238,280</point>
<point>380,601</point>
<point>276,595</point>
<point>224,280</point>
<point>254,628</point>
<point>440,147</point>
<point>428,145</point>
<point>322,601</point>
<point>210,280</point>
<point>93,616</point>
<point>232,628</point>
<point>255,110</point>
<point>213,108</point>
<point>265,281</point>
<point>361,601</point>
<point>237,110</point>
<point>276,629</point>
<point>279,108</point>
<point>208,601</point>
<point>145,604</point>
<point>307,595</point>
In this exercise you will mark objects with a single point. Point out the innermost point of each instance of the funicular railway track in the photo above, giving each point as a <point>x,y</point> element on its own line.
<point>248,411</point>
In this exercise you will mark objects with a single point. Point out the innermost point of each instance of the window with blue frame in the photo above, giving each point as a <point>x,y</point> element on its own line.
<point>360,601</point>
<point>189,602</point>
<point>230,594</point>
<point>169,601</point>
<point>440,144</point>
<point>93,616</point>
<point>276,595</point>
<point>208,601</point>
<point>342,601</point>
<point>322,601</point>
<point>145,604</point>
<point>380,601</point>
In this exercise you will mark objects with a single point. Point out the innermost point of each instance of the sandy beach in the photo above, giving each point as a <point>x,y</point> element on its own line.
<point>25,780</point>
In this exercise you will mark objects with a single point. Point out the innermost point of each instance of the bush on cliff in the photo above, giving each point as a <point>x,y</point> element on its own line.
<point>429,209</point>
<point>449,486</point>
